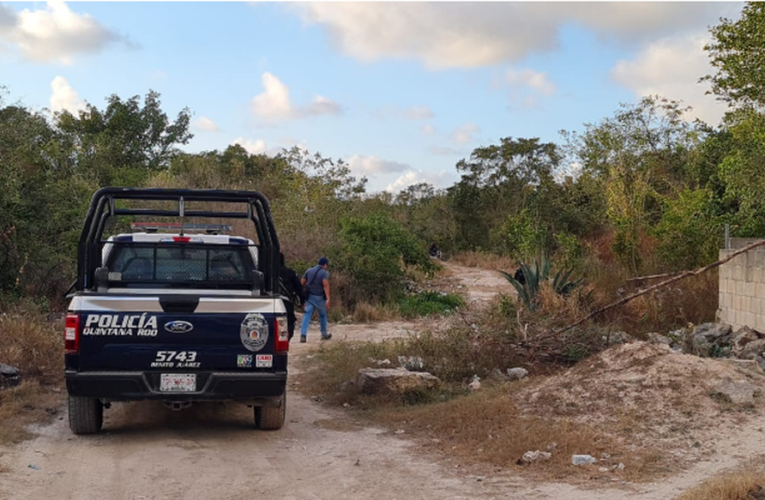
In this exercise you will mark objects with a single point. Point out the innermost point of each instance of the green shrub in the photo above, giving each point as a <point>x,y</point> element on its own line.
<point>428,303</point>
<point>374,252</point>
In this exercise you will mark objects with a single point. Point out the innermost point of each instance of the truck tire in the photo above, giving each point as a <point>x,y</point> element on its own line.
<point>271,418</point>
<point>86,415</point>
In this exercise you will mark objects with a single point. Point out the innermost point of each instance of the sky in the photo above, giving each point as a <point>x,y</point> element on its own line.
<point>400,91</point>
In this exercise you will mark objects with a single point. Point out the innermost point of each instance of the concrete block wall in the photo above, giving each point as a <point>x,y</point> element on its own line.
<point>742,287</point>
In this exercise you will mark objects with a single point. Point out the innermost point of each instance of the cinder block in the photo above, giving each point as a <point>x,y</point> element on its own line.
<point>737,318</point>
<point>746,304</point>
<point>722,315</point>
<point>759,290</point>
<point>738,273</point>
<point>749,319</point>
<point>759,323</point>
<point>724,271</point>
<point>736,302</point>
<point>749,289</point>
<point>757,275</point>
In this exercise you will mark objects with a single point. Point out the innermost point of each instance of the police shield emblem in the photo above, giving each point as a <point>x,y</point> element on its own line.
<point>254,332</point>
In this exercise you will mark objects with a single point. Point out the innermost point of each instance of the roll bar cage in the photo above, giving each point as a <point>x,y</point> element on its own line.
<point>103,207</point>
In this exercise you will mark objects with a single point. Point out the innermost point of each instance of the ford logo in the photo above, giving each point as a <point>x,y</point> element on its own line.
<point>178,326</point>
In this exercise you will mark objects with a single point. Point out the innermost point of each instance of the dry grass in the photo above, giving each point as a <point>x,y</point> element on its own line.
<point>740,485</point>
<point>28,403</point>
<point>637,403</point>
<point>485,261</point>
<point>373,313</point>
<point>31,343</point>
<point>453,356</point>
<point>488,428</point>
<point>34,345</point>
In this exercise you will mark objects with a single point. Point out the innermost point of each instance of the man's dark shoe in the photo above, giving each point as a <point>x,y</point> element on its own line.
<point>329,336</point>
<point>302,340</point>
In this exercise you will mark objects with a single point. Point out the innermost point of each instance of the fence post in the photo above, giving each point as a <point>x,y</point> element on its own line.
<point>727,236</point>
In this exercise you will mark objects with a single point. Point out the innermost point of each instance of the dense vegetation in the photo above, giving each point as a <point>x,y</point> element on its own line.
<point>644,190</point>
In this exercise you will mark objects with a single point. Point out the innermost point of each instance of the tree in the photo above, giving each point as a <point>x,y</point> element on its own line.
<point>737,52</point>
<point>640,156</point>
<point>496,182</point>
<point>42,200</point>
<point>126,142</point>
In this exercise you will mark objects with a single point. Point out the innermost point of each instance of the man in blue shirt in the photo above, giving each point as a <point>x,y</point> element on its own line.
<point>316,279</point>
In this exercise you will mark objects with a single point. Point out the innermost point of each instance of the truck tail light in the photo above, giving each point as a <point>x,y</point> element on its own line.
<point>72,334</point>
<point>282,335</point>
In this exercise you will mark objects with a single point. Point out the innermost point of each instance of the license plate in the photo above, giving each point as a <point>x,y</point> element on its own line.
<point>178,382</point>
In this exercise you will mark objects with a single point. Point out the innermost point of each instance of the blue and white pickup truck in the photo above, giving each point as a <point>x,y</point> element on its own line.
<point>176,312</point>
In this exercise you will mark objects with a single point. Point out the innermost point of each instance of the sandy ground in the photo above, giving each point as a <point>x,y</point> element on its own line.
<point>212,451</point>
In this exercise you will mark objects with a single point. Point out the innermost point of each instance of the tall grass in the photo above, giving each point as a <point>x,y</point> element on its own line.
<point>738,485</point>
<point>34,345</point>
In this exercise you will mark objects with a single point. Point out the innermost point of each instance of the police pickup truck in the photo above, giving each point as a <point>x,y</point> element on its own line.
<point>176,312</point>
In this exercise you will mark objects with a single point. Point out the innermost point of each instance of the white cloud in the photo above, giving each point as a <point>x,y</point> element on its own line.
<point>323,106</point>
<point>54,34</point>
<point>428,129</point>
<point>274,102</point>
<point>520,79</point>
<point>372,165</point>
<point>206,124</point>
<point>671,68</point>
<point>419,113</point>
<point>438,180</point>
<point>64,97</point>
<point>464,134</point>
<point>253,147</point>
<point>452,34</point>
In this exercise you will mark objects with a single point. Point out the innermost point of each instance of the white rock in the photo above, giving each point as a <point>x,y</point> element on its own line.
<point>397,381</point>
<point>583,460</point>
<point>533,456</point>
<point>475,385</point>
<point>411,362</point>
<point>737,392</point>
<point>517,373</point>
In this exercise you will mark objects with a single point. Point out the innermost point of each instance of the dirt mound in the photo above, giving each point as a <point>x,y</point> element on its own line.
<point>644,391</point>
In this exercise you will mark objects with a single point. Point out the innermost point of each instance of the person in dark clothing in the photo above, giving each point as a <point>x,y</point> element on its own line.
<point>435,253</point>
<point>519,277</point>
<point>293,290</point>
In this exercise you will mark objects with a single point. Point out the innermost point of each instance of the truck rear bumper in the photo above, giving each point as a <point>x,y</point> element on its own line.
<point>211,386</point>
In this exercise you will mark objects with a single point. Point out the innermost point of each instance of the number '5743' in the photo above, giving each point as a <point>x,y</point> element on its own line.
<point>185,356</point>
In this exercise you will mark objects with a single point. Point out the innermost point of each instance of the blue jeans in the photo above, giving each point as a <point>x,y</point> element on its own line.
<point>314,302</point>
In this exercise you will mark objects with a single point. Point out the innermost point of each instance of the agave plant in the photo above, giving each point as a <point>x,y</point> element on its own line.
<point>534,276</point>
<point>561,283</point>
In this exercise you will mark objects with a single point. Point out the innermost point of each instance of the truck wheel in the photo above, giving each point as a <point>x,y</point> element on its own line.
<point>86,415</point>
<point>271,418</point>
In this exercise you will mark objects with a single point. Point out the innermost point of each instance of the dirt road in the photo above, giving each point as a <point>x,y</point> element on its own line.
<point>212,451</point>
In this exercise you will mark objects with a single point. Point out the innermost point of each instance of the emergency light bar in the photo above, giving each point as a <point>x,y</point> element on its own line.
<point>177,227</point>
